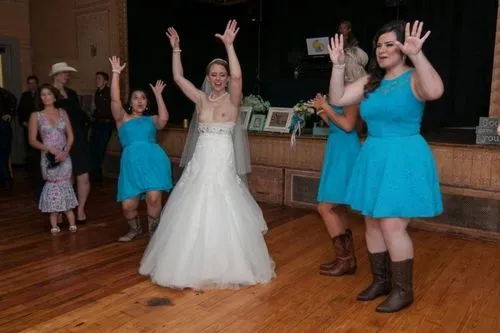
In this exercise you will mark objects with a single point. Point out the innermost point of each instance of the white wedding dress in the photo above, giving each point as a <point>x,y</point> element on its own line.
<point>211,229</point>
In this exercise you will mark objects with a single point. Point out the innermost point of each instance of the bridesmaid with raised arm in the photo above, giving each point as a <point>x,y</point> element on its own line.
<point>394,178</point>
<point>145,169</point>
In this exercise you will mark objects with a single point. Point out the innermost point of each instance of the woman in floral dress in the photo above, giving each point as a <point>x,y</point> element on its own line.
<point>57,137</point>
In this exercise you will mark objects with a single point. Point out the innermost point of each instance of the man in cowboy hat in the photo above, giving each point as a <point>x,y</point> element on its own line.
<point>80,154</point>
<point>61,67</point>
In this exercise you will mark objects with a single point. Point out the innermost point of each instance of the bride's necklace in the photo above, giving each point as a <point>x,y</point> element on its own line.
<point>211,99</point>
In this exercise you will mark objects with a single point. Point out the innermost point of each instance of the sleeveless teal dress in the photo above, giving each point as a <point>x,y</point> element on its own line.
<point>144,165</point>
<point>395,173</point>
<point>341,151</point>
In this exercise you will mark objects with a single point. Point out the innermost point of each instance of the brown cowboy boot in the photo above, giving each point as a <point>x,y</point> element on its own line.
<point>134,231</point>
<point>381,284</point>
<point>329,265</point>
<point>402,290</point>
<point>346,260</point>
<point>153,224</point>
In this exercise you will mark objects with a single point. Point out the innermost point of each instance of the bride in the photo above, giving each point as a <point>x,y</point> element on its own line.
<point>211,229</point>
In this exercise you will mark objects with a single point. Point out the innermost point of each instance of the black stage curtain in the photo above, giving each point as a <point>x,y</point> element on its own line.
<point>461,45</point>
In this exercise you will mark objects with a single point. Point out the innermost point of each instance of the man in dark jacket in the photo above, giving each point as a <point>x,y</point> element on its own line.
<point>25,108</point>
<point>102,125</point>
<point>8,104</point>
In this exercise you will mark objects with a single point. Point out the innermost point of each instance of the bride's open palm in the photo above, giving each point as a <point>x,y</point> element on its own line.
<point>230,33</point>
<point>173,36</point>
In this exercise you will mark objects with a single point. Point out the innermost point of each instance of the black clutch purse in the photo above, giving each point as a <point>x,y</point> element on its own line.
<point>51,161</point>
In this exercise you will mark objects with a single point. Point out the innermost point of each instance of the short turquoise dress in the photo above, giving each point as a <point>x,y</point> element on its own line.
<point>340,155</point>
<point>144,165</point>
<point>395,173</point>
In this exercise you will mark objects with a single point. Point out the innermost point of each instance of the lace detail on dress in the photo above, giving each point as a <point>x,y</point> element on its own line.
<point>398,83</point>
<point>216,128</point>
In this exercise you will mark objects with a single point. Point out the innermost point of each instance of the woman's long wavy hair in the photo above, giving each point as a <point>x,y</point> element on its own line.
<point>377,73</point>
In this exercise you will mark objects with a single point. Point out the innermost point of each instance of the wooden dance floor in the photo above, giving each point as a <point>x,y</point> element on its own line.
<point>87,282</point>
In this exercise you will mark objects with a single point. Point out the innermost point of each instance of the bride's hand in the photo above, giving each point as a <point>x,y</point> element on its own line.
<point>173,36</point>
<point>230,33</point>
<point>115,64</point>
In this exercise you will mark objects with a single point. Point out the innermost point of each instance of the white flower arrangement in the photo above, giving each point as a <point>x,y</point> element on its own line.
<point>257,103</point>
<point>303,110</point>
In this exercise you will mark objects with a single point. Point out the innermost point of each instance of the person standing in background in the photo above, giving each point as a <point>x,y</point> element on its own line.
<point>8,104</point>
<point>80,153</point>
<point>27,105</point>
<point>103,125</point>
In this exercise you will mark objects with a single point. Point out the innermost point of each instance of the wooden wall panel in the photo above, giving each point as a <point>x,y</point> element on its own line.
<point>495,83</point>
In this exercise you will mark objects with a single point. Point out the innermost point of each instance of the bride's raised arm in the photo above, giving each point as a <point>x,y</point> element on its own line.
<point>184,84</point>
<point>236,81</point>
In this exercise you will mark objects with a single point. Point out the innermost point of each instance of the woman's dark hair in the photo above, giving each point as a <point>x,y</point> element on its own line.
<point>377,73</point>
<point>38,99</point>
<point>32,77</point>
<point>104,75</point>
<point>128,108</point>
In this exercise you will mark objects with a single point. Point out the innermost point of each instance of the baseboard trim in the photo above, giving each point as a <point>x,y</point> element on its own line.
<point>452,230</point>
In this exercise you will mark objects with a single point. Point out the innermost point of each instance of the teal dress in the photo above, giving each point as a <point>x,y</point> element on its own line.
<point>144,165</point>
<point>340,155</point>
<point>395,173</point>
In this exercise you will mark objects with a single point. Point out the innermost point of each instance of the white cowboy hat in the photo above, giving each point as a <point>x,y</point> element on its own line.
<point>61,67</point>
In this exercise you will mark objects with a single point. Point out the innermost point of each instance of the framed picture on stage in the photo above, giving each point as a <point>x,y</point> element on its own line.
<point>257,123</point>
<point>246,113</point>
<point>279,120</point>
<point>317,46</point>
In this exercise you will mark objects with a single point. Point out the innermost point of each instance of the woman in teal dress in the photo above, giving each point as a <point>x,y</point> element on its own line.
<point>394,178</point>
<point>145,169</point>
<point>341,152</point>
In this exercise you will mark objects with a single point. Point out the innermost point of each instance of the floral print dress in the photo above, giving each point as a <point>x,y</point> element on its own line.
<point>58,194</point>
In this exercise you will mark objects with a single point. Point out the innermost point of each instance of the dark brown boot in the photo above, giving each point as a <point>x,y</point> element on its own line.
<point>135,229</point>
<point>329,265</point>
<point>153,224</point>
<point>381,284</point>
<point>402,287</point>
<point>346,260</point>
